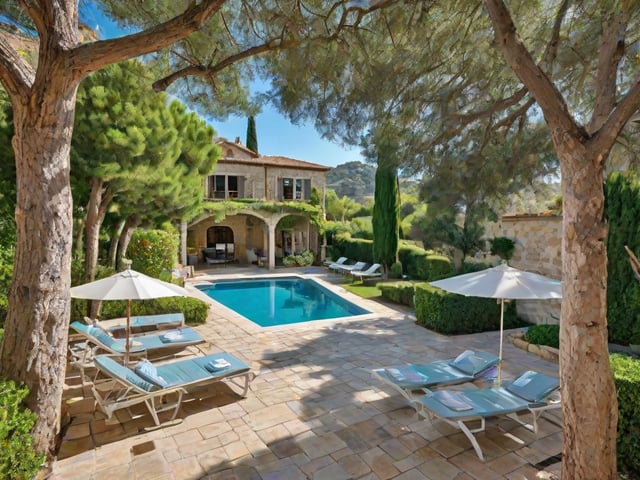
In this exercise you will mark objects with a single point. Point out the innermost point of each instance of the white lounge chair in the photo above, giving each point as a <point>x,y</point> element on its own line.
<point>336,264</point>
<point>344,269</point>
<point>372,271</point>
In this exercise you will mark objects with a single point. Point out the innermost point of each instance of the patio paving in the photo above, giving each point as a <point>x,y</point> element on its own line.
<point>313,412</point>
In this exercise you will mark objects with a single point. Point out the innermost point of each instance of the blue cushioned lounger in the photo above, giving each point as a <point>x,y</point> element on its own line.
<point>165,343</point>
<point>531,392</point>
<point>148,323</point>
<point>466,367</point>
<point>161,387</point>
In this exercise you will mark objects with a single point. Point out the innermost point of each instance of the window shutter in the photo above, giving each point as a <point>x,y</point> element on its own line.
<point>241,187</point>
<point>306,188</point>
<point>279,188</point>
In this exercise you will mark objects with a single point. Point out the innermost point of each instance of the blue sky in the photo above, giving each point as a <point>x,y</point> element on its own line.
<point>276,134</point>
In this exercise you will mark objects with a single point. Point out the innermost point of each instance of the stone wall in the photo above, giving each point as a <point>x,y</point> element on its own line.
<point>538,249</point>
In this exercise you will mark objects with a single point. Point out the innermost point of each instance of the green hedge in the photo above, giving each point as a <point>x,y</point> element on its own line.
<point>18,458</point>
<point>453,314</point>
<point>626,375</point>
<point>357,249</point>
<point>195,311</point>
<point>398,292</point>
<point>544,335</point>
<point>421,264</point>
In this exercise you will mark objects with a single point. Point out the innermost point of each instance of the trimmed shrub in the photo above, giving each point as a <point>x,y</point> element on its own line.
<point>18,458</point>
<point>503,247</point>
<point>454,314</point>
<point>395,271</point>
<point>474,266</point>
<point>195,311</point>
<point>423,265</point>
<point>544,335</point>
<point>153,251</point>
<point>398,292</point>
<point>355,248</point>
<point>626,375</point>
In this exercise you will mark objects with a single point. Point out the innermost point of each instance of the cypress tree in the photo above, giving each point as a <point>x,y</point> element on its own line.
<point>386,229</point>
<point>252,136</point>
<point>623,290</point>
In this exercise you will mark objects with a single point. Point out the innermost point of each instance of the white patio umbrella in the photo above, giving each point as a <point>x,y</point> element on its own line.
<point>127,285</point>
<point>503,283</point>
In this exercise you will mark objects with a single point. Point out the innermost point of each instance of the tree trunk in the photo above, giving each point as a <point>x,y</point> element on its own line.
<point>34,349</point>
<point>589,403</point>
<point>125,237</point>
<point>96,210</point>
<point>116,230</point>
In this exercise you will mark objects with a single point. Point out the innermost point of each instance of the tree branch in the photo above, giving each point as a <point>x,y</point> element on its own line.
<point>16,74</point>
<point>606,136</point>
<point>274,44</point>
<point>611,51</point>
<point>531,75</point>
<point>202,71</point>
<point>92,56</point>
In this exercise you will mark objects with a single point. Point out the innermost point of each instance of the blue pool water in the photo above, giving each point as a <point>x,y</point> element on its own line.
<point>281,301</point>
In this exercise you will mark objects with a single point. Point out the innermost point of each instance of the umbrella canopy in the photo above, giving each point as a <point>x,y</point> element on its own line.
<point>504,283</point>
<point>127,285</point>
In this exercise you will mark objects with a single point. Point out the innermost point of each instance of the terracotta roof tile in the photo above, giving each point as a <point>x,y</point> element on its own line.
<point>276,161</point>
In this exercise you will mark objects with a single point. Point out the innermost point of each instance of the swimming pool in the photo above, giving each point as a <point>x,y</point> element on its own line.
<point>281,301</point>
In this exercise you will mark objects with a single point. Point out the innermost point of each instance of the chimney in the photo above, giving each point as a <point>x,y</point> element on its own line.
<point>238,142</point>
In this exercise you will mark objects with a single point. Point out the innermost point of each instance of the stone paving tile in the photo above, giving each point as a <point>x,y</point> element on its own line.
<point>439,469</point>
<point>314,411</point>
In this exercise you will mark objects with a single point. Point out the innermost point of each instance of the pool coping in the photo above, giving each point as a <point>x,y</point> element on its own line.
<point>376,309</point>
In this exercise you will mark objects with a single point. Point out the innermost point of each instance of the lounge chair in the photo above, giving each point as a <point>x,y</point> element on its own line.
<point>466,367</point>
<point>144,323</point>
<point>531,392</point>
<point>161,387</point>
<point>160,345</point>
<point>334,265</point>
<point>344,269</point>
<point>372,271</point>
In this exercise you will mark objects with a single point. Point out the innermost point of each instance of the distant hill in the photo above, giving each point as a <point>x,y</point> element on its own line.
<point>356,180</point>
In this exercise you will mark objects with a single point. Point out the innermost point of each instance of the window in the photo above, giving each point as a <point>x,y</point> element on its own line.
<point>224,186</point>
<point>296,189</point>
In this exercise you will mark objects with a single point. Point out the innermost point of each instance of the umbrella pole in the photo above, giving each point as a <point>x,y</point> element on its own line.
<point>501,335</point>
<point>127,334</point>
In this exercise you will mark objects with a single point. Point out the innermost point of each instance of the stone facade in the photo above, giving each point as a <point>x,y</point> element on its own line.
<point>242,173</point>
<point>538,249</point>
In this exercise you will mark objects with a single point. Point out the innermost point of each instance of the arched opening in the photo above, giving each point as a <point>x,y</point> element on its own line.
<point>217,234</point>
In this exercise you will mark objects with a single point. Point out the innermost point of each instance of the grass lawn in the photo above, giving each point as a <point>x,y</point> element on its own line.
<point>364,291</point>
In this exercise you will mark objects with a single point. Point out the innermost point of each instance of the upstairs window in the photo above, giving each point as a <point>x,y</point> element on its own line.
<point>295,189</point>
<point>223,187</point>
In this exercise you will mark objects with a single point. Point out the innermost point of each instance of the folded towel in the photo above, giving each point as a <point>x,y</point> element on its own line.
<point>407,374</point>
<point>172,337</point>
<point>217,365</point>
